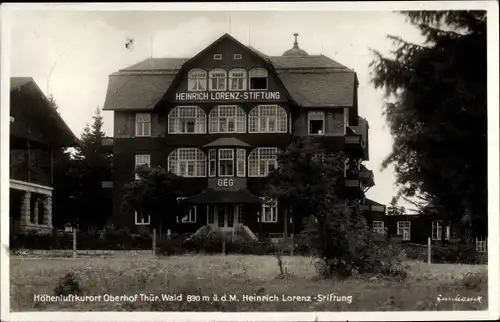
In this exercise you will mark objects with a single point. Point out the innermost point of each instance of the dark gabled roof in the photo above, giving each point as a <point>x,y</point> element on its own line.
<point>372,203</point>
<point>51,121</point>
<point>311,81</point>
<point>211,196</point>
<point>227,142</point>
<point>259,53</point>
<point>171,64</point>
<point>17,82</point>
<point>127,92</point>
<point>320,89</point>
<point>305,62</point>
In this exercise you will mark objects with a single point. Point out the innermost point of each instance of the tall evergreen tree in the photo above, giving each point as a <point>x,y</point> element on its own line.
<point>436,109</point>
<point>92,166</point>
<point>63,181</point>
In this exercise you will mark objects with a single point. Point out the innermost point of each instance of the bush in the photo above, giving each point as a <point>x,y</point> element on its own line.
<point>68,284</point>
<point>455,254</point>
<point>172,246</point>
<point>475,281</point>
<point>302,246</point>
<point>345,245</point>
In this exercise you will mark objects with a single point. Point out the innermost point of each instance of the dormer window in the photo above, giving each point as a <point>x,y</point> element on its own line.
<point>218,80</point>
<point>237,56</point>
<point>197,80</point>
<point>217,56</point>
<point>258,79</point>
<point>316,122</point>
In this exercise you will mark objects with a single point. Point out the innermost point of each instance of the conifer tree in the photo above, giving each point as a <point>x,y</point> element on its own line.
<point>436,110</point>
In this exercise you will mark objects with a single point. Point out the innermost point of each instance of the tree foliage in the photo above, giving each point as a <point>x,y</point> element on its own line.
<point>301,176</point>
<point>93,164</point>
<point>394,209</point>
<point>154,194</point>
<point>436,110</point>
<point>78,194</point>
<point>309,181</point>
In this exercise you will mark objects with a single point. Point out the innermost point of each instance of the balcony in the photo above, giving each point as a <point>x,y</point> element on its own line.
<point>370,205</point>
<point>106,184</point>
<point>32,165</point>
<point>352,183</point>
<point>354,145</point>
<point>366,177</point>
<point>108,141</point>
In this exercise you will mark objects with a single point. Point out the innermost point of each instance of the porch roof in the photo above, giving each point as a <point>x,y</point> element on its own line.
<point>227,142</point>
<point>211,196</point>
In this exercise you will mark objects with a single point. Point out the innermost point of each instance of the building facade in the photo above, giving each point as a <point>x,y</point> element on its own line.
<point>219,120</point>
<point>36,130</point>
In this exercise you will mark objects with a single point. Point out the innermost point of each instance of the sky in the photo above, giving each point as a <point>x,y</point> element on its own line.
<point>71,53</point>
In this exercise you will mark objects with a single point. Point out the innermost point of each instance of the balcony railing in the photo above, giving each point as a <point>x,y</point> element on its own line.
<point>364,207</point>
<point>352,183</point>
<point>353,139</point>
<point>366,174</point>
<point>107,184</point>
<point>378,208</point>
<point>107,141</point>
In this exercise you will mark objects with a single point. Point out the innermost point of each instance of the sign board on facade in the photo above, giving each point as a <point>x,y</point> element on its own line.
<point>228,96</point>
<point>230,184</point>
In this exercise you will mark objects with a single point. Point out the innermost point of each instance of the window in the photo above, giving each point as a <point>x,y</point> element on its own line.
<point>190,216</point>
<point>226,162</point>
<point>240,162</point>
<point>437,228</point>
<point>239,216</point>
<point>217,56</point>
<point>141,219</point>
<point>210,214</point>
<point>187,162</point>
<point>142,124</point>
<point>142,160</point>
<point>237,56</point>
<point>269,212</point>
<point>258,79</point>
<point>227,119</point>
<point>316,122</point>
<point>187,119</point>
<point>217,80</point>
<point>267,119</point>
<point>378,227</point>
<point>237,80</point>
<point>262,161</point>
<point>212,163</point>
<point>481,244</point>
<point>197,80</point>
<point>403,229</point>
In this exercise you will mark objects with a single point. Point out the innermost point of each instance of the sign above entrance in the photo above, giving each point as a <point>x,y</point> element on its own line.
<point>228,96</point>
<point>230,184</point>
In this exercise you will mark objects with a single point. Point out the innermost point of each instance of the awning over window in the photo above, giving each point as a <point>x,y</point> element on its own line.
<point>211,196</point>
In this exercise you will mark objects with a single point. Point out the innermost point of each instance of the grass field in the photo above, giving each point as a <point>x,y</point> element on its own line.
<point>240,275</point>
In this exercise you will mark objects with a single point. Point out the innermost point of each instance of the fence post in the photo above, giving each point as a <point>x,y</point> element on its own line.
<point>74,242</point>
<point>154,242</point>
<point>428,250</point>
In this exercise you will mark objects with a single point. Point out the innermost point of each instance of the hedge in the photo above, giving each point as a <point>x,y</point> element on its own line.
<point>182,244</point>
<point>449,253</point>
<point>57,240</point>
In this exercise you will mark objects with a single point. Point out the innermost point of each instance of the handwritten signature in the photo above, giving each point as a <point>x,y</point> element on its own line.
<point>459,298</point>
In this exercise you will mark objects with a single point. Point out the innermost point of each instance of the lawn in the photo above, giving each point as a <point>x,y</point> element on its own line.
<point>242,276</point>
